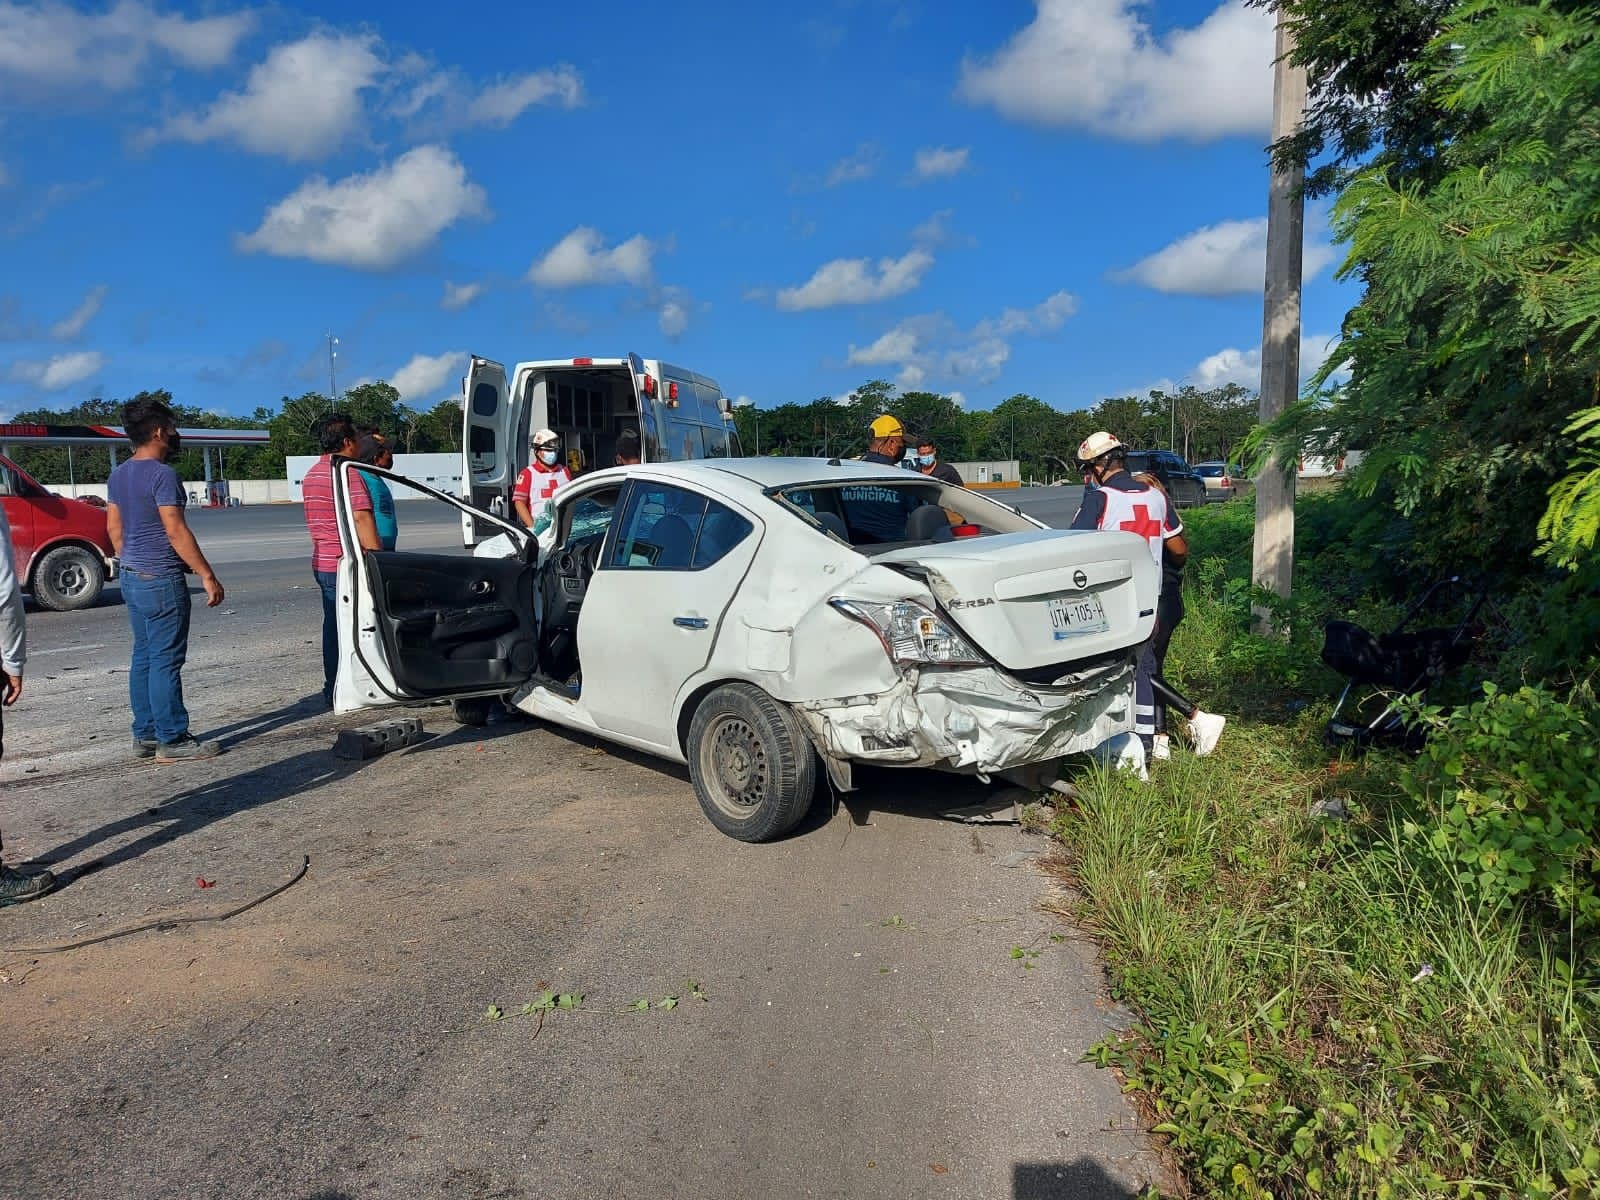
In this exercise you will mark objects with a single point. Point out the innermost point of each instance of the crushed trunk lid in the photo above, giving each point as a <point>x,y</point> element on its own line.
<point>1042,598</point>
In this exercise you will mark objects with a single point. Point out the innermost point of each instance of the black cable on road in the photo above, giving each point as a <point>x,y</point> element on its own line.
<point>166,923</point>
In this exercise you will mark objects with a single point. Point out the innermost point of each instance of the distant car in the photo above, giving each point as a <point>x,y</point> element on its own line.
<point>764,620</point>
<point>1186,488</point>
<point>62,549</point>
<point>1223,480</point>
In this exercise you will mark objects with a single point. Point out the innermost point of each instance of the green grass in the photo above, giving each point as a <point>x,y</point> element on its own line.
<point>1327,1007</point>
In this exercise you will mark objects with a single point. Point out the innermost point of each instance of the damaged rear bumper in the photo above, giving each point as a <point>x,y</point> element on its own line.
<point>979,720</point>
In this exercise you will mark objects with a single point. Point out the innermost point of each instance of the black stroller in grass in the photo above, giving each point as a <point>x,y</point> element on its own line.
<point>1405,662</point>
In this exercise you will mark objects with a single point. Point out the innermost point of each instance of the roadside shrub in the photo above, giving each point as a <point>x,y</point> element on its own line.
<point>1508,788</point>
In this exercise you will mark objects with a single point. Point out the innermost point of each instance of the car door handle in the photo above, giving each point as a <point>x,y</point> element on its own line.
<point>690,622</point>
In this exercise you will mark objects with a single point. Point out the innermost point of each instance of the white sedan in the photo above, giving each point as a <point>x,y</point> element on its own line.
<point>761,619</point>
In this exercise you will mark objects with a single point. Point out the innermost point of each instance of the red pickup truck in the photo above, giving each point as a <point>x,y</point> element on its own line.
<point>63,552</point>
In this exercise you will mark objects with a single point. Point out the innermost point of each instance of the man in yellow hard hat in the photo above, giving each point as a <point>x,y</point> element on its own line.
<point>887,441</point>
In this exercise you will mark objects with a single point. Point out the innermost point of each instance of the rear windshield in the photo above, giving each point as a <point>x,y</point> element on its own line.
<point>1210,470</point>
<point>882,515</point>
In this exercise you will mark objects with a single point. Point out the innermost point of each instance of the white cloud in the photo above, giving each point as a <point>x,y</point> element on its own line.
<point>959,399</point>
<point>1093,64</point>
<point>1048,315</point>
<point>1225,259</point>
<point>673,315</point>
<point>373,220</point>
<point>855,167</point>
<point>303,102</point>
<point>501,103</point>
<point>939,162</point>
<point>442,102</point>
<point>582,259</point>
<point>743,402</point>
<point>935,231</point>
<point>1243,367</point>
<point>72,325</point>
<point>932,347</point>
<point>55,48</point>
<point>459,295</point>
<point>896,346</point>
<point>62,371</point>
<point>857,281</point>
<point>427,375</point>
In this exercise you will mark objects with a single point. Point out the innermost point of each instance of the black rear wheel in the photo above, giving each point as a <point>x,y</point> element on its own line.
<point>754,772</point>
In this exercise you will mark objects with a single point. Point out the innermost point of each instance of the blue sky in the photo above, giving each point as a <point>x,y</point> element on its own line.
<point>1064,198</point>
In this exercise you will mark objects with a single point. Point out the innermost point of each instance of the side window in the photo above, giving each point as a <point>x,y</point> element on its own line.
<point>723,530</point>
<point>666,528</point>
<point>8,481</point>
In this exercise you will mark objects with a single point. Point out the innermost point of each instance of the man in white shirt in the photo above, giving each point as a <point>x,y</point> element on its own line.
<point>15,887</point>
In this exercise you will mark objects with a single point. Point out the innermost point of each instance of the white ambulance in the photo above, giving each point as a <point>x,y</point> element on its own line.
<point>677,414</point>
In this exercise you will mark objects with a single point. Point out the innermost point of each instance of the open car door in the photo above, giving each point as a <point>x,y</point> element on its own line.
<point>488,465</point>
<point>416,626</point>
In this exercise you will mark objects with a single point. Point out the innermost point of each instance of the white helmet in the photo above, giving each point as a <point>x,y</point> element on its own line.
<point>544,437</point>
<point>1097,444</point>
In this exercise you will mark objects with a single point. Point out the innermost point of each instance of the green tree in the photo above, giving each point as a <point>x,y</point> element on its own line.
<point>1476,345</point>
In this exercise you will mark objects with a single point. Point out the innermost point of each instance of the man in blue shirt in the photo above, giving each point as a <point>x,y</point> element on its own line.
<point>374,449</point>
<point>144,516</point>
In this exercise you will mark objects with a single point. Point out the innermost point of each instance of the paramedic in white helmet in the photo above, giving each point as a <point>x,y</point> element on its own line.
<point>540,478</point>
<point>1115,500</point>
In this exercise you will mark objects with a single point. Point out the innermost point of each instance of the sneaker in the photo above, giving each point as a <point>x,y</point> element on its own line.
<point>186,749</point>
<point>16,888</point>
<point>1161,750</point>
<point>144,747</point>
<point>1204,730</point>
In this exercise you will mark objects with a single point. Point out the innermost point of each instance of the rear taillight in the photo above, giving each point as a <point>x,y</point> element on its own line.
<point>583,362</point>
<point>965,531</point>
<point>1226,483</point>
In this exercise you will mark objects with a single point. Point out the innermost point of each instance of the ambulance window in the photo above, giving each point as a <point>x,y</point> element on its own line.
<point>485,400</point>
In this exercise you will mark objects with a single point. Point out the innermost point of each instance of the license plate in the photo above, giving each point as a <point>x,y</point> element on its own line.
<point>1074,615</point>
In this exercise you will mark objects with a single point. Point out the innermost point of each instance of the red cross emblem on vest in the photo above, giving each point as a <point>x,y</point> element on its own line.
<point>1143,523</point>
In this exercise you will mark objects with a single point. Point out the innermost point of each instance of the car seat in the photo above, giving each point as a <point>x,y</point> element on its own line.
<point>834,524</point>
<point>930,523</point>
<point>674,540</point>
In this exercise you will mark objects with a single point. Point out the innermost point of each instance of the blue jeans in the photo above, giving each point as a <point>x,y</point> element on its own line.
<point>328,581</point>
<point>158,610</point>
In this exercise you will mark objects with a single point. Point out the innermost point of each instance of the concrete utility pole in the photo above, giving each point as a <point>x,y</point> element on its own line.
<point>333,381</point>
<point>1273,560</point>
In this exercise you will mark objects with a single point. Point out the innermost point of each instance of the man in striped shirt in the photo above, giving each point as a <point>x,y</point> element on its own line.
<point>336,437</point>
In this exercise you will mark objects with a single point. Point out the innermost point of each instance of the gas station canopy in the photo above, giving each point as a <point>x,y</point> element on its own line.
<point>100,435</point>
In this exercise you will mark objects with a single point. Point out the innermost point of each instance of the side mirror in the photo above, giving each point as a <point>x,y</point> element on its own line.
<point>725,406</point>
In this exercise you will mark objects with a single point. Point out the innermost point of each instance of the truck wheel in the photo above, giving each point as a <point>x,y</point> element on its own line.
<point>68,577</point>
<point>472,711</point>
<point>753,770</point>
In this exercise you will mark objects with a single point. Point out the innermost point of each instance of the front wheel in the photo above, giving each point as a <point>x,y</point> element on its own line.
<point>68,577</point>
<point>472,711</point>
<point>753,770</point>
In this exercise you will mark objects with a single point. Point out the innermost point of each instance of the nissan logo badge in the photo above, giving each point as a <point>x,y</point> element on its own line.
<point>1080,580</point>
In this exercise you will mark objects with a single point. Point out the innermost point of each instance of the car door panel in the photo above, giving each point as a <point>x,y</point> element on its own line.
<point>425,625</point>
<point>647,625</point>
<point>450,623</point>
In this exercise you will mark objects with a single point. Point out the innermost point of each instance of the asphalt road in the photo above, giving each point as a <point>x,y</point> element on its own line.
<point>846,1014</point>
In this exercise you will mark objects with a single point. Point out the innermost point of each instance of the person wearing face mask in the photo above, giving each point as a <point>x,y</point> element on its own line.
<point>540,479</point>
<point>144,518</point>
<point>928,463</point>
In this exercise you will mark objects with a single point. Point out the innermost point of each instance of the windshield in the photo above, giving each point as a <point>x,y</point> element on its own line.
<point>878,515</point>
